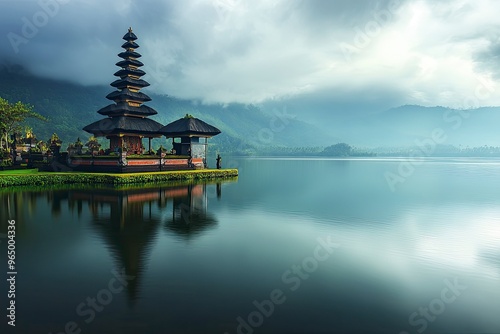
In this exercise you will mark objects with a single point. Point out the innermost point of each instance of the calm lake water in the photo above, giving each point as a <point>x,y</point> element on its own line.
<point>291,246</point>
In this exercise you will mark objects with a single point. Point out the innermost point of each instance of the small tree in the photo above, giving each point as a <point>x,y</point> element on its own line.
<point>11,117</point>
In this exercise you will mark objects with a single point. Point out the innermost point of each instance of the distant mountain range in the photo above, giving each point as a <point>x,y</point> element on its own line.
<point>252,129</point>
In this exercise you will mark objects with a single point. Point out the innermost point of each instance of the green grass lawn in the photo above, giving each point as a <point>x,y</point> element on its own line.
<point>35,171</point>
<point>26,177</point>
<point>19,171</point>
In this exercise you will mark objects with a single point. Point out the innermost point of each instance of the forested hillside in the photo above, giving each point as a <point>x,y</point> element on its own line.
<point>69,107</point>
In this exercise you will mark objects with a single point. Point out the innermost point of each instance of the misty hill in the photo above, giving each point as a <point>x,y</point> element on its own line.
<point>245,128</point>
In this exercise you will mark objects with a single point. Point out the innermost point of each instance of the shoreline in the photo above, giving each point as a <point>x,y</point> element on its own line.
<point>53,178</point>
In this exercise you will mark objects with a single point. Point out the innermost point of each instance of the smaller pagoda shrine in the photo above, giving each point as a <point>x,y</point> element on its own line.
<point>127,123</point>
<point>190,129</point>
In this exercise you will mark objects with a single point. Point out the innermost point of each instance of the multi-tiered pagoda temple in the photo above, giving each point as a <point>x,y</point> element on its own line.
<point>127,121</point>
<point>127,124</point>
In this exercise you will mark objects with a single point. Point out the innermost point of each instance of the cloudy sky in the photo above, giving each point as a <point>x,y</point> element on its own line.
<point>369,54</point>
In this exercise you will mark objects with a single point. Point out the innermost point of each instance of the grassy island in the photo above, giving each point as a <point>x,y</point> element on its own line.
<point>35,178</point>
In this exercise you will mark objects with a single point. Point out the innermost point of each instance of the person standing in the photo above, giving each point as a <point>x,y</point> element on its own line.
<point>219,161</point>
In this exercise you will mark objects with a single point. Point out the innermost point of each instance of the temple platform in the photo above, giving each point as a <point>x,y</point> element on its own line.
<point>39,178</point>
<point>115,164</point>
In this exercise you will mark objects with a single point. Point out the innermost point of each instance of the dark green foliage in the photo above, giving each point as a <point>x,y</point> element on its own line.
<point>12,115</point>
<point>68,107</point>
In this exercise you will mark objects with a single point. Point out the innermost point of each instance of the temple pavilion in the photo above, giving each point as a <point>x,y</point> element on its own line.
<point>127,121</point>
<point>190,130</point>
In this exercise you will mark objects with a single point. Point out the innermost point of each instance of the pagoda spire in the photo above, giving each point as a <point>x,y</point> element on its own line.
<point>127,122</point>
<point>128,98</point>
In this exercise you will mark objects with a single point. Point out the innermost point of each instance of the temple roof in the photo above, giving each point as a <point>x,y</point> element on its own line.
<point>124,125</point>
<point>124,108</point>
<point>127,81</point>
<point>127,62</point>
<point>129,54</point>
<point>129,36</point>
<point>129,71</point>
<point>130,45</point>
<point>187,126</point>
<point>127,94</point>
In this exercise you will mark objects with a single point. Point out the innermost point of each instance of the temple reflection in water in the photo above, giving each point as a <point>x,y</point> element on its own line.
<point>129,220</point>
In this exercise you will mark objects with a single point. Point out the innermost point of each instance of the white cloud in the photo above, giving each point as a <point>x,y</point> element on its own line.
<point>240,51</point>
